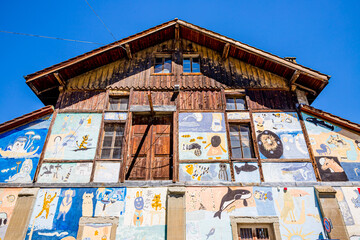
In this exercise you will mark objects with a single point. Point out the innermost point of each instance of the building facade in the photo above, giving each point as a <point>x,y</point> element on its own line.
<point>178,132</point>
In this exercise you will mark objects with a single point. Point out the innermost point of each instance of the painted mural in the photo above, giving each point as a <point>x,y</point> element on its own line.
<point>74,136</point>
<point>65,173</point>
<point>107,172</point>
<point>202,136</point>
<point>279,136</point>
<point>208,210</point>
<point>204,172</point>
<point>336,150</point>
<point>288,172</point>
<point>238,115</point>
<point>20,151</point>
<point>58,213</point>
<point>8,197</point>
<point>349,202</point>
<point>246,172</point>
<point>115,116</point>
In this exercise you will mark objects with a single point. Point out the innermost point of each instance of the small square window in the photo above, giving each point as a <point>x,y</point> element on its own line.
<point>112,141</point>
<point>235,103</point>
<point>118,103</point>
<point>191,65</point>
<point>162,65</point>
<point>240,140</point>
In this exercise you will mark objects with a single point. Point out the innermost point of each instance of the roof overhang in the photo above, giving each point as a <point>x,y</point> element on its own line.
<point>331,118</point>
<point>24,119</point>
<point>45,83</point>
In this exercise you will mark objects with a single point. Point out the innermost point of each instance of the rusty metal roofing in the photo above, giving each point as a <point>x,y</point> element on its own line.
<point>330,117</point>
<point>29,117</point>
<point>45,83</point>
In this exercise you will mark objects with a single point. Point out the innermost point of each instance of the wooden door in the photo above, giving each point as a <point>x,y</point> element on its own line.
<point>150,149</point>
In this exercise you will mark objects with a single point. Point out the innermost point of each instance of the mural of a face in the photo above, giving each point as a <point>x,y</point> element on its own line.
<point>19,144</point>
<point>328,163</point>
<point>139,201</point>
<point>270,144</point>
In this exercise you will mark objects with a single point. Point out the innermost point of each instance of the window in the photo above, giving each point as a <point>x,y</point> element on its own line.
<point>118,103</point>
<point>191,65</point>
<point>253,233</point>
<point>241,143</point>
<point>235,103</point>
<point>245,228</point>
<point>162,65</point>
<point>112,141</point>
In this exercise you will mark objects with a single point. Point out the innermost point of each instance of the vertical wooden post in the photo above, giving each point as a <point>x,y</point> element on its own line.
<point>176,213</point>
<point>41,159</point>
<point>255,144</point>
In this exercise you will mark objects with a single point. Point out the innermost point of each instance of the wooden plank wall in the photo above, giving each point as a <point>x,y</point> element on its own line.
<point>82,100</point>
<point>200,100</point>
<point>137,72</point>
<point>158,98</point>
<point>269,99</point>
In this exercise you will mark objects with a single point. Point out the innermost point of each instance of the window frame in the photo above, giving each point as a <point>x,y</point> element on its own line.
<point>269,222</point>
<point>191,57</point>
<point>118,97</point>
<point>118,124</point>
<point>163,57</point>
<point>234,97</point>
<point>251,142</point>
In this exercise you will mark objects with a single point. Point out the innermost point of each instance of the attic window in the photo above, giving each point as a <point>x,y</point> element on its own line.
<point>118,103</point>
<point>162,65</point>
<point>235,103</point>
<point>191,64</point>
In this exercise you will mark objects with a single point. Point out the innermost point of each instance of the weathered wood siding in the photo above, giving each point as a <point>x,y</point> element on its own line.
<point>158,98</point>
<point>201,100</point>
<point>269,99</point>
<point>82,100</point>
<point>216,73</point>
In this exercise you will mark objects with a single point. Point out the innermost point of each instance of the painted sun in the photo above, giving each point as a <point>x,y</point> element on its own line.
<point>297,234</point>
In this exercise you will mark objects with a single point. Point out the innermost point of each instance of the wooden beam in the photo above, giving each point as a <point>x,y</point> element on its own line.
<point>226,50</point>
<point>295,76</point>
<point>151,103</point>
<point>59,79</point>
<point>33,88</point>
<point>177,32</point>
<point>128,51</point>
<point>48,89</point>
<point>305,88</point>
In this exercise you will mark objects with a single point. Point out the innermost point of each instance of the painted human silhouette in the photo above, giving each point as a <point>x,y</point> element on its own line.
<point>46,205</point>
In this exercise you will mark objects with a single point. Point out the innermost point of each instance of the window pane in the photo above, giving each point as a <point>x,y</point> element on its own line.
<point>246,233</point>
<point>118,141</point>
<point>114,103</point>
<point>236,152</point>
<point>167,65</point>
<point>235,141</point>
<point>234,129</point>
<point>195,65</point>
<point>158,68</point>
<point>247,152</point>
<point>105,153</point>
<point>186,65</point>
<point>109,129</point>
<point>240,103</point>
<point>124,103</point>
<point>117,153</point>
<point>107,141</point>
<point>230,104</point>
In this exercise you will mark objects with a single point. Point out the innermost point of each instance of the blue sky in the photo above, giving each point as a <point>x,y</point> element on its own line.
<point>323,35</point>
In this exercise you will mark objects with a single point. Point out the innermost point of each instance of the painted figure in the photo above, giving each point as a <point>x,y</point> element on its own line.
<point>22,147</point>
<point>222,172</point>
<point>230,197</point>
<point>139,206</point>
<point>46,205</point>
<point>328,163</point>
<point>196,171</point>
<point>263,196</point>
<point>66,203</point>
<point>192,147</point>
<point>156,202</point>
<point>87,205</point>
<point>215,146</point>
<point>324,150</point>
<point>270,144</point>
<point>23,176</point>
<point>341,146</point>
<point>83,143</point>
<point>216,122</point>
<point>245,168</point>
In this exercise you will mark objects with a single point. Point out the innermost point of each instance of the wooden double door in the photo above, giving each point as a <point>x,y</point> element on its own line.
<point>150,149</point>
